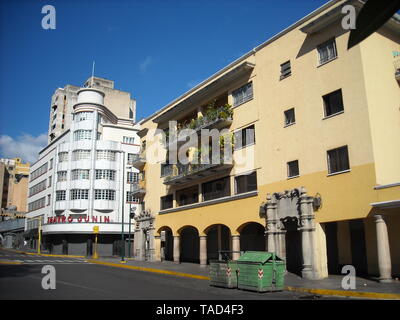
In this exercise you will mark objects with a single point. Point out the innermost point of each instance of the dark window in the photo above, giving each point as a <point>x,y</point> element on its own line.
<point>338,160</point>
<point>290,117</point>
<point>246,183</point>
<point>333,102</point>
<point>187,196</point>
<point>243,94</point>
<point>245,137</point>
<point>166,169</point>
<point>286,70</point>
<point>327,51</point>
<point>293,168</point>
<point>216,189</point>
<point>167,202</point>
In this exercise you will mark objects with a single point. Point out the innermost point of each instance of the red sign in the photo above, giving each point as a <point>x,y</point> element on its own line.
<point>64,219</point>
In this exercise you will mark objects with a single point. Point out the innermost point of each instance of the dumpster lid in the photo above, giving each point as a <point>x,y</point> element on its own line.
<point>257,256</point>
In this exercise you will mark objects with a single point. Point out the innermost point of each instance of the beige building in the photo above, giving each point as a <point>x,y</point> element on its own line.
<point>315,175</point>
<point>14,184</point>
<point>64,99</point>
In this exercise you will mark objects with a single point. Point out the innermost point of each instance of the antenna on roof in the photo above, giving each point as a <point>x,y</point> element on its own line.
<point>91,82</point>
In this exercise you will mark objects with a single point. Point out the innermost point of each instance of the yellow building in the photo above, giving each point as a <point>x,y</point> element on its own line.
<point>315,175</point>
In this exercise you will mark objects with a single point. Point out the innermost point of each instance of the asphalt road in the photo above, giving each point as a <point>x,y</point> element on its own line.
<point>79,280</point>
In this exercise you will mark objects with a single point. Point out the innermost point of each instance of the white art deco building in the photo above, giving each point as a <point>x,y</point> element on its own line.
<point>83,179</point>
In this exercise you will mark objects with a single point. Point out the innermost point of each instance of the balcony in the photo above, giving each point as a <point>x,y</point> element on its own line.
<point>138,160</point>
<point>138,190</point>
<point>190,172</point>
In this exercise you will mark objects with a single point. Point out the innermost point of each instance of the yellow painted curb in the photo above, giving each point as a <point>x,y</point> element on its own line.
<point>10,262</point>
<point>353,294</point>
<point>173,273</point>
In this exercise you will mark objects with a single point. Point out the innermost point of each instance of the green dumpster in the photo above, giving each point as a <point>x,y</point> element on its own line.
<point>223,273</point>
<point>260,271</point>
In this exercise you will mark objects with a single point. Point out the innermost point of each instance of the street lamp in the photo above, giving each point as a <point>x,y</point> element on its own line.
<point>131,216</point>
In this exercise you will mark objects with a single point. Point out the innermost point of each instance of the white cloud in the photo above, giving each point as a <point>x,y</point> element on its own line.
<point>25,146</point>
<point>145,64</point>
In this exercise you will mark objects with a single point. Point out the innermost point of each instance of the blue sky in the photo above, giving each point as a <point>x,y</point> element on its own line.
<point>155,49</point>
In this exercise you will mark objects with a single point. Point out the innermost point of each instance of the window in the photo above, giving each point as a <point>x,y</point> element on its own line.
<point>130,198</point>
<point>243,94</point>
<point>327,51</point>
<point>338,160</point>
<point>166,169</point>
<point>187,196</point>
<point>39,187</point>
<point>48,199</point>
<point>131,157</point>
<point>130,140</point>
<point>79,194</point>
<point>167,202</point>
<point>132,177</point>
<point>62,156</point>
<point>81,116</point>
<point>333,103</point>
<point>49,184</point>
<point>246,183</point>
<point>290,117</point>
<point>98,137</point>
<point>286,70</point>
<point>105,155</point>
<point>79,174</point>
<point>293,168</point>
<point>60,195</point>
<point>82,135</point>
<point>37,204</point>
<point>244,137</point>
<point>80,155</point>
<point>104,194</point>
<point>105,174</point>
<point>51,164</point>
<point>61,176</point>
<point>216,189</point>
<point>38,172</point>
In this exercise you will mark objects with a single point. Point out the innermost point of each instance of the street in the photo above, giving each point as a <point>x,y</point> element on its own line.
<point>77,279</point>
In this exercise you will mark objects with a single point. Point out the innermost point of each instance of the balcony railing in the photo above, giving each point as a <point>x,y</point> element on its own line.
<point>138,189</point>
<point>138,160</point>
<point>188,172</point>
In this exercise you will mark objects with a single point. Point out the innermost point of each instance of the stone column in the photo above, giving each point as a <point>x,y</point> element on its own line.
<point>306,236</point>
<point>203,251</point>
<point>271,223</point>
<point>177,249</point>
<point>384,261</point>
<point>235,247</point>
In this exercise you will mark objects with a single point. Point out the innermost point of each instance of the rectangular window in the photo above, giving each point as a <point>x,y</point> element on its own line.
<point>61,176</point>
<point>79,194</point>
<point>79,174</point>
<point>104,194</point>
<point>129,140</point>
<point>132,177</point>
<point>246,183</point>
<point>38,172</point>
<point>130,198</point>
<point>293,168</point>
<point>82,135</point>
<point>187,196</point>
<point>39,187</point>
<point>60,195</point>
<point>327,51</point>
<point>81,116</point>
<point>37,204</point>
<point>48,199</point>
<point>62,156</point>
<point>216,189</point>
<point>333,103</point>
<point>105,155</point>
<point>49,183</point>
<point>245,137</point>
<point>290,117</point>
<point>51,164</point>
<point>167,202</point>
<point>166,169</point>
<point>286,70</point>
<point>338,160</point>
<point>80,155</point>
<point>105,174</point>
<point>243,94</point>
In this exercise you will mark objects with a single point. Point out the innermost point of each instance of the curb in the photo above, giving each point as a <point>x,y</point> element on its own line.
<point>9,262</point>
<point>43,254</point>
<point>327,292</point>
<point>173,273</point>
<point>342,293</point>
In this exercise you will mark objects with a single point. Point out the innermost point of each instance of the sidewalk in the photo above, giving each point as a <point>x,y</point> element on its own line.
<point>330,286</point>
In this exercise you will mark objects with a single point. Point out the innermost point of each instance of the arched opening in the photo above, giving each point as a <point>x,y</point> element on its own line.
<point>293,243</point>
<point>190,245</point>
<point>252,237</point>
<point>167,244</point>
<point>218,239</point>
